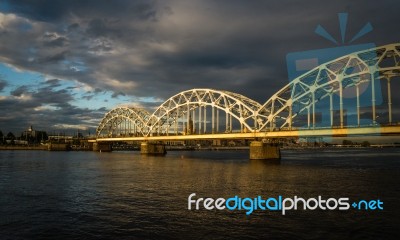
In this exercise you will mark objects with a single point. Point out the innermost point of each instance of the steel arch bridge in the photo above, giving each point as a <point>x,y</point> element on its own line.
<point>178,115</point>
<point>124,118</point>
<point>296,106</point>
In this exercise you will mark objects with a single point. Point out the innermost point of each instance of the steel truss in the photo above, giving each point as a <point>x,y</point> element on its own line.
<point>304,92</point>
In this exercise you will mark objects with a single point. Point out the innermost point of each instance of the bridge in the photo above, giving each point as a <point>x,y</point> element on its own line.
<point>351,95</point>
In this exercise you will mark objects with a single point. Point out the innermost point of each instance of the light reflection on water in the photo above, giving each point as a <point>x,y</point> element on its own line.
<point>75,195</point>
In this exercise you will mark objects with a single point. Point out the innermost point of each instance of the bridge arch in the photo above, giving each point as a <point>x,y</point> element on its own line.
<point>182,108</point>
<point>330,81</point>
<point>133,119</point>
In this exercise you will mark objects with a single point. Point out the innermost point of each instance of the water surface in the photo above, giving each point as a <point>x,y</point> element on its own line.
<point>88,195</point>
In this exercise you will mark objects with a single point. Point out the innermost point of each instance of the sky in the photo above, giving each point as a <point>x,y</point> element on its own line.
<point>64,64</point>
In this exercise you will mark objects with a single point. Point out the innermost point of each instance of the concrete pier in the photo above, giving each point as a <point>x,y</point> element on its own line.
<point>263,151</point>
<point>58,147</point>
<point>152,148</point>
<point>102,147</point>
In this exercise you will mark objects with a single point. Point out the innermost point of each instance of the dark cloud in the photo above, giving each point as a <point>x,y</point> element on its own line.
<point>98,90</point>
<point>57,98</point>
<point>157,48</point>
<point>73,27</point>
<point>101,28</point>
<point>57,42</point>
<point>53,82</point>
<point>58,10</point>
<point>115,95</point>
<point>19,91</point>
<point>45,108</point>
<point>88,97</point>
<point>3,84</point>
<point>54,58</point>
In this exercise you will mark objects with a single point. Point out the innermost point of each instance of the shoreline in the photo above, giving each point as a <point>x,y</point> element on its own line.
<point>45,148</point>
<point>14,147</point>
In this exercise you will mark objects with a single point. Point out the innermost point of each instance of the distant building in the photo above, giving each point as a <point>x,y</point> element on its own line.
<point>33,136</point>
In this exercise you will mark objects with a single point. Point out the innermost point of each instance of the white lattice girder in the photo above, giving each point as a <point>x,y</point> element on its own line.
<point>113,118</point>
<point>239,106</point>
<point>327,79</point>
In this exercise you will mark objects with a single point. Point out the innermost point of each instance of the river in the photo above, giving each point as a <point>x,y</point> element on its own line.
<point>125,195</point>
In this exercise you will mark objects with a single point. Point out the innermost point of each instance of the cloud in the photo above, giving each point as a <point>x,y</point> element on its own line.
<point>53,40</point>
<point>53,82</point>
<point>3,84</point>
<point>19,91</point>
<point>58,10</point>
<point>115,95</point>
<point>46,107</point>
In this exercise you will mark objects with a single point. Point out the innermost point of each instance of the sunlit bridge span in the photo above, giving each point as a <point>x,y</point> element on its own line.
<point>351,95</point>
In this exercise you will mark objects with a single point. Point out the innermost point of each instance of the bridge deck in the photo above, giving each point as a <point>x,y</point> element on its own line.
<point>334,132</point>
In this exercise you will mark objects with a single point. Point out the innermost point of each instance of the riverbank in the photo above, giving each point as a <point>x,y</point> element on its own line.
<point>180,148</point>
<point>16,147</point>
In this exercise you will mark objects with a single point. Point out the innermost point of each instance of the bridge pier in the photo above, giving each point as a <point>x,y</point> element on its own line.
<point>152,148</point>
<point>58,147</point>
<point>102,147</point>
<point>264,151</point>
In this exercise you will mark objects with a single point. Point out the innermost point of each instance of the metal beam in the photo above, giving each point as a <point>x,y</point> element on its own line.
<point>373,131</point>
